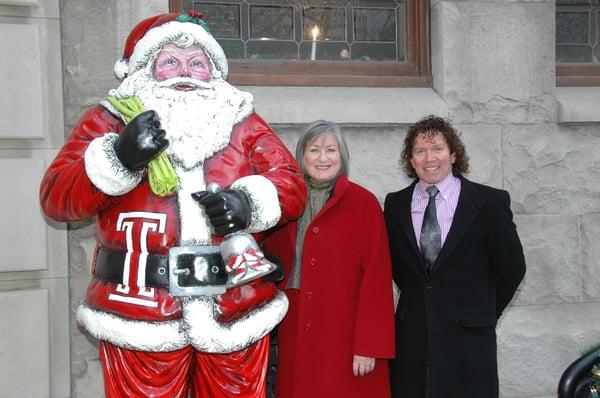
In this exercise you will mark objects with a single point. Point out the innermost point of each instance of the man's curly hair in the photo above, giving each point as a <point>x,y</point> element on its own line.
<point>430,126</point>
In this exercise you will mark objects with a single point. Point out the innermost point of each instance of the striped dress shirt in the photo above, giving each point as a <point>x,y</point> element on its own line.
<point>445,202</point>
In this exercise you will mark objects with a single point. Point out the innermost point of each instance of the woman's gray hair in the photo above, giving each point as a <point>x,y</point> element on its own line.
<point>317,129</point>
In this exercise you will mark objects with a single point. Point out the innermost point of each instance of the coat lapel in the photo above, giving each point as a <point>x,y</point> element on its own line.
<point>469,205</point>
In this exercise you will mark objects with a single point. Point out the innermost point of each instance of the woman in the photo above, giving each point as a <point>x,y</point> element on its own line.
<point>338,331</point>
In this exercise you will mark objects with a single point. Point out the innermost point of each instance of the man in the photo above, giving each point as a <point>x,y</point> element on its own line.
<point>457,260</point>
<point>158,242</point>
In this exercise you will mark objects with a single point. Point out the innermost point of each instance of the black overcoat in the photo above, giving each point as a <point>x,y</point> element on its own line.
<point>446,321</point>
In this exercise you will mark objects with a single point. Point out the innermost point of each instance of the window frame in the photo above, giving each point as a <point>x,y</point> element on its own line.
<point>576,74</point>
<point>416,72</point>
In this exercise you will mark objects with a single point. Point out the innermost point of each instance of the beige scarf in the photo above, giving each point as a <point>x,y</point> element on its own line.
<point>318,194</point>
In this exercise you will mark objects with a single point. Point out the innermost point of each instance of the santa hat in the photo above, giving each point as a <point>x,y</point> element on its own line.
<point>150,35</point>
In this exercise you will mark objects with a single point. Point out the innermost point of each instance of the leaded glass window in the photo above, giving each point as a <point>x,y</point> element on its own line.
<point>314,30</point>
<point>577,35</point>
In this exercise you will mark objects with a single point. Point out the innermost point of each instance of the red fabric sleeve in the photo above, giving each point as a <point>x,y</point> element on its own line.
<point>66,192</point>
<point>270,158</point>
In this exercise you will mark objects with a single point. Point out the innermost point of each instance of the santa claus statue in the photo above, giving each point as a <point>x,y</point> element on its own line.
<point>183,177</point>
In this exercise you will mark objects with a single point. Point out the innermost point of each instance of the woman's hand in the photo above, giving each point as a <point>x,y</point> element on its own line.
<point>362,365</point>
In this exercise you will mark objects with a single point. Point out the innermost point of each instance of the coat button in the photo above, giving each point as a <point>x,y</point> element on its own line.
<point>315,230</point>
<point>313,261</point>
<point>308,327</point>
<point>309,295</point>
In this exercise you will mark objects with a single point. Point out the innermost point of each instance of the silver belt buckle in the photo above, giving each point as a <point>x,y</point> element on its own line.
<point>196,271</point>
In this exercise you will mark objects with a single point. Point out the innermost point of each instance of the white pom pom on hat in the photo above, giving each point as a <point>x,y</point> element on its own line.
<point>151,34</point>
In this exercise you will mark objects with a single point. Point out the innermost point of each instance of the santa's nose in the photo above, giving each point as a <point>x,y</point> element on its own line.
<point>184,71</point>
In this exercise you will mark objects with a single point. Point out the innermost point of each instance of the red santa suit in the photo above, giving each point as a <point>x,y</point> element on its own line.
<point>127,306</point>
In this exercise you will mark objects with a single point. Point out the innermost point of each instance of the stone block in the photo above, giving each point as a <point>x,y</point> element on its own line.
<point>33,246</point>
<point>37,324</point>
<point>375,158</point>
<point>30,228</point>
<point>21,114</point>
<point>484,148</point>
<point>85,364</point>
<point>86,370</point>
<point>24,330</point>
<point>32,111</point>
<point>362,105</point>
<point>551,246</point>
<point>536,344</point>
<point>30,8</point>
<point>87,378</point>
<point>590,256</point>
<point>552,169</point>
<point>578,104</point>
<point>493,62</point>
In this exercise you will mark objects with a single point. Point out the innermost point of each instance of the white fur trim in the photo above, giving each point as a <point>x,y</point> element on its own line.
<point>121,68</point>
<point>109,107</point>
<point>208,335</point>
<point>264,201</point>
<point>131,334</point>
<point>105,170</point>
<point>194,227</point>
<point>168,32</point>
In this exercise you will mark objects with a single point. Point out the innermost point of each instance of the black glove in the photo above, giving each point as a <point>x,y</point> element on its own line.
<point>228,211</point>
<point>140,141</point>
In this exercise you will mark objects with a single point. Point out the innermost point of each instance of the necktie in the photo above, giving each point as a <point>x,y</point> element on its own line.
<point>431,235</point>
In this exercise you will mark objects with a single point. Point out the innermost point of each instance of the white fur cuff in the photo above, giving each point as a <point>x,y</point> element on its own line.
<point>105,170</point>
<point>207,335</point>
<point>264,201</point>
<point>131,334</point>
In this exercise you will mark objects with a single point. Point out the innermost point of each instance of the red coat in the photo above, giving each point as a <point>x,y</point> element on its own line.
<point>344,305</point>
<point>74,188</point>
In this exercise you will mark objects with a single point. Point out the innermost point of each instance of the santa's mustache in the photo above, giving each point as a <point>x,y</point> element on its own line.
<point>183,81</point>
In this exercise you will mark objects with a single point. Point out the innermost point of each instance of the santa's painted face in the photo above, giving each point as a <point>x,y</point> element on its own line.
<point>175,61</point>
<point>198,121</point>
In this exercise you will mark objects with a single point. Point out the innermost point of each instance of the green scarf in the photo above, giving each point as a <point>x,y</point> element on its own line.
<point>161,175</point>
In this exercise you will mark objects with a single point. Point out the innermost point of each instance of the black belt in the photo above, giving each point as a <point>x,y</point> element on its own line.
<point>110,266</point>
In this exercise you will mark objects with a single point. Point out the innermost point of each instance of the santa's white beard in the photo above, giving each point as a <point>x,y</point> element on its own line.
<point>199,122</point>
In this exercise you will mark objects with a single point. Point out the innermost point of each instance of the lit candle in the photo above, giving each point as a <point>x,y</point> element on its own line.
<point>313,49</point>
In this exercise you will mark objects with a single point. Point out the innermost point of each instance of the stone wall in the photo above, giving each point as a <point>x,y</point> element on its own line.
<point>493,71</point>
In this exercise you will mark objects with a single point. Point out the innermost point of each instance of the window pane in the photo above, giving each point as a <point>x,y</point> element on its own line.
<point>377,25</point>
<point>577,23</point>
<point>223,19</point>
<point>271,22</point>
<point>573,53</point>
<point>283,29</point>
<point>326,50</point>
<point>330,22</point>
<point>572,27</point>
<point>272,49</point>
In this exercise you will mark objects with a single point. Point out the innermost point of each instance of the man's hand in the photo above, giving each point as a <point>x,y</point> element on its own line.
<point>228,211</point>
<point>362,365</point>
<point>140,141</point>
